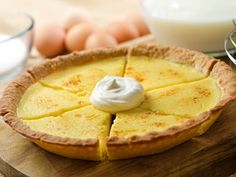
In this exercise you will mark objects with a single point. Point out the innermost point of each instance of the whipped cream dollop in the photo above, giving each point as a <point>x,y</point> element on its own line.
<point>113,94</point>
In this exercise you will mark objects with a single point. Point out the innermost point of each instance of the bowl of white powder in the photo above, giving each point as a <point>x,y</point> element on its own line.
<point>16,37</point>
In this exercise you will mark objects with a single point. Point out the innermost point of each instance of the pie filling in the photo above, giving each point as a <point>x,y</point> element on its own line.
<point>174,94</point>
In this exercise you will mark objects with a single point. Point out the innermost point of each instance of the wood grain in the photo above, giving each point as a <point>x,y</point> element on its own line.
<point>201,156</point>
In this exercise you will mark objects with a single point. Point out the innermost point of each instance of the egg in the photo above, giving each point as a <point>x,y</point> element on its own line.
<point>100,39</point>
<point>73,18</point>
<point>49,39</point>
<point>122,30</point>
<point>137,19</point>
<point>77,36</point>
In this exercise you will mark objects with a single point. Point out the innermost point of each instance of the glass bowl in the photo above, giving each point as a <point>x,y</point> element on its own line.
<point>189,23</point>
<point>16,38</point>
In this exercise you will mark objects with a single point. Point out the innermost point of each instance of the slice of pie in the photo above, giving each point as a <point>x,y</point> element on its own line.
<point>185,92</point>
<point>186,99</point>
<point>86,124</point>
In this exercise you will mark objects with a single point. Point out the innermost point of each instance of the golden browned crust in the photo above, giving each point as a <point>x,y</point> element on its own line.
<point>121,147</point>
<point>226,79</point>
<point>72,151</point>
<point>116,146</point>
<point>13,92</point>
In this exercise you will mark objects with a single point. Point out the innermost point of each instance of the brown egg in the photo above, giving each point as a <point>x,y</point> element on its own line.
<point>73,18</point>
<point>100,39</point>
<point>49,39</point>
<point>122,30</point>
<point>77,35</point>
<point>137,19</point>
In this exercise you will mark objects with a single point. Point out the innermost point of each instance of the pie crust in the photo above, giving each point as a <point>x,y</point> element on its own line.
<point>121,147</point>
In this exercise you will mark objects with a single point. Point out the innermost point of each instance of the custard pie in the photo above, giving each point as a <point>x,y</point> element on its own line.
<point>184,93</point>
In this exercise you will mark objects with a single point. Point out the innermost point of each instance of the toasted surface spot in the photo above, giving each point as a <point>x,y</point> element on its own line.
<point>83,78</point>
<point>155,73</point>
<point>39,101</point>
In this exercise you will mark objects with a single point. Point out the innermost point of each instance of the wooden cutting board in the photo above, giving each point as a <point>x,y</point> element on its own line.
<point>212,154</point>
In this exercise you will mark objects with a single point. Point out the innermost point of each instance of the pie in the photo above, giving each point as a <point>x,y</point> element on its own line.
<point>185,92</point>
